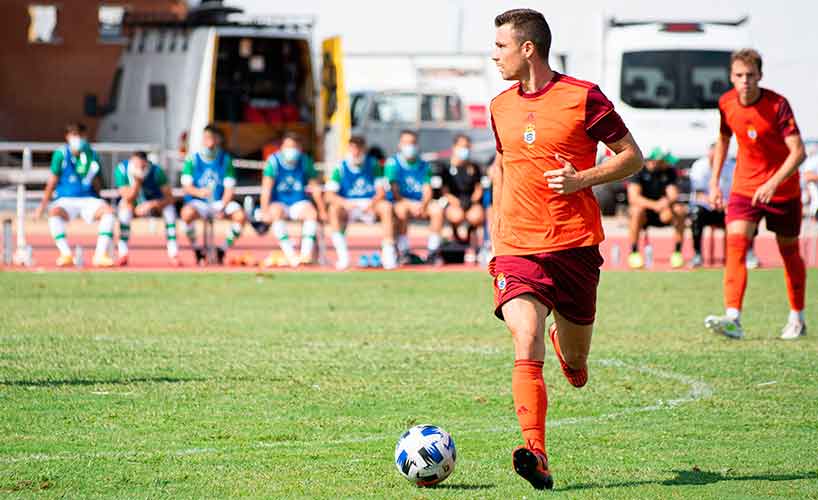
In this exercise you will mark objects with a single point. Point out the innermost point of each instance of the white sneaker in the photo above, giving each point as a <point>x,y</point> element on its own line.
<point>793,329</point>
<point>751,261</point>
<point>724,325</point>
<point>697,261</point>
<point>342,264</point>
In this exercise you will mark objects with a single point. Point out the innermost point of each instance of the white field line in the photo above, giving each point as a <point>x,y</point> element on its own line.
<point>698,390</point>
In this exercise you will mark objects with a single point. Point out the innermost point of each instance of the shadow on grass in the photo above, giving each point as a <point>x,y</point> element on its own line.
<point>465,487</point>
<point>83,382</point>
<point>696,478</point>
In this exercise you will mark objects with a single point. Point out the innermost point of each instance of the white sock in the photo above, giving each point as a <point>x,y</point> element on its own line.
<point>390,260</point>
<point>280,232</point>
<point>796,316</point>
<point>308,230</point>
<point>106,233</point>
<point>57,227</point>
<point>733,313</point>
<point>125,216</point>
<point>434,242</point>
<point>339,241</point>
<point>403,243</point>
<point>121,248</point>
<point>169,215</point>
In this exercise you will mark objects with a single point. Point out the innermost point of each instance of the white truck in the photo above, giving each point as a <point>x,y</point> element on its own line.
<point>665,79</point>
<point>253,78</point>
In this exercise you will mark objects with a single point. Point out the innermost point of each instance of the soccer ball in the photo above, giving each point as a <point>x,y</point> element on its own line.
<point>425,455</point>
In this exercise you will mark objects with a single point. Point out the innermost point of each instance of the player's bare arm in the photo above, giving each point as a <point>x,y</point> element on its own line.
<point>796,155</point>
<point>635,198</point>
<point>266,189</point>
<point>227,197</point>
<point>50,185</point>
<point>719,155</point>
<point>625,162</point>
<point>424,202</point>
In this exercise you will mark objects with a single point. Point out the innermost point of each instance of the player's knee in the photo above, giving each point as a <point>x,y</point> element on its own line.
<point>57,212</point>
<point>188,213</point>
<point>666,216</point>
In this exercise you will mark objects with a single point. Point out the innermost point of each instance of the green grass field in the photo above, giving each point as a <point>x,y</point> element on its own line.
<point>298,385</point>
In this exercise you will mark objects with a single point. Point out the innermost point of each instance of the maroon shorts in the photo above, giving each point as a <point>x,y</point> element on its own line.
<point>783,218</point>
<point>565,281</point>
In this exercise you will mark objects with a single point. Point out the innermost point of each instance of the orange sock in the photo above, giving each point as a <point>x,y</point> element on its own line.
<point>735,274</point>
<point>530,401</point>
<point>796,274</point>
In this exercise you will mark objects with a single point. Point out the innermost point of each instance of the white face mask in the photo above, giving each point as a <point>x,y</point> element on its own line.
<point>409,151</point>
<point>354,161</point>
<point>462,153</point>
<point>210,153</point>
<point>289,155</point>
<point>75,143</point>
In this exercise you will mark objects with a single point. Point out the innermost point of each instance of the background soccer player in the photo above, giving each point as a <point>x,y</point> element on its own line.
<point>284,197</point>
<point>411,194</point>
<point>75,178</point>
<point>547,224</point>
<point>355,189</point>
<point>209,179</point>
<point>765,185</point>
<point>145,192</point>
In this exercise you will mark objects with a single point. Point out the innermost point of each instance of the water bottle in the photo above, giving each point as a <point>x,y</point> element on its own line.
<point>648,255</point>
<point>78,256</point>
<point>615,255</point>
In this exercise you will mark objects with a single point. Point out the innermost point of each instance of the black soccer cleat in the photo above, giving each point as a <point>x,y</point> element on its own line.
<point>220,255</point>
<point>200,256</point>
<point>532,465</point>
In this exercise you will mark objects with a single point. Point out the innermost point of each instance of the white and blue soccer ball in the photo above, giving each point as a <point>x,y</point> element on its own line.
<point>425,455</point>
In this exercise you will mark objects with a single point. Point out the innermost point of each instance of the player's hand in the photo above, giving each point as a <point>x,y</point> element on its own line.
<point>765,192</point>
<point>417,211</point>
<point>204,193</point>
<point>716,199</point>
<point>565,180</point>
<point>322,216</point>
<point>38,212</point>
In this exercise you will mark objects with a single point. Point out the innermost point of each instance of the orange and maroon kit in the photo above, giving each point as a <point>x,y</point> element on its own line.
<point>547,244</point>
<point>760,129</point>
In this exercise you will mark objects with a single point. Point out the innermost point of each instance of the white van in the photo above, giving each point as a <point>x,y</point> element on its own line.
<point>252,78</point>
<point>665,79</point>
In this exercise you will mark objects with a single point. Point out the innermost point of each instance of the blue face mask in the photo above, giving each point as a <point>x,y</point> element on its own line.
<point>462,153</point>
<point>210,153</point>
<point>290,155</point>
<point>409,151</point>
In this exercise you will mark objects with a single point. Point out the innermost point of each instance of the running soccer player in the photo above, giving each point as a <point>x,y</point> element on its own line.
<point>356,191</point>
<point>411,192</point>
<point>547,224</point>
<point>145,192</point>
<point>284,183</point>
<point>208,180</point>
<point>76,181</point>
<point>765,185</point>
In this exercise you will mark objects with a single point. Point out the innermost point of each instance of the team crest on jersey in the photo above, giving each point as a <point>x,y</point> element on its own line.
<point>752,133</point>
<point>501,282</point>
<point>530,134</point>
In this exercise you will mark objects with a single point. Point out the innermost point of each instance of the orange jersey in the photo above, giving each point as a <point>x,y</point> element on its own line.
<point>569,117</point>
<point>760,129</point>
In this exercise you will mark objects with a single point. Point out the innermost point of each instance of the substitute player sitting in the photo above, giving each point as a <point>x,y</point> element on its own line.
<point>547,226</point>
<point>766,185</point>
<point>75,180</point>
<point>208,180</point>
<point>411,193</point>
<point>462,190</point>
<point>145,192</point>
<point>286,178</point>
<point>355,192</point>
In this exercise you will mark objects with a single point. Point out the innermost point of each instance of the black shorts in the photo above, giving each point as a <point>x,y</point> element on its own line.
<point>653,220</point>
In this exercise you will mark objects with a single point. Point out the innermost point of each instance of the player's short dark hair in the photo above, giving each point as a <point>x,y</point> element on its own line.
<point>213,129</point>
<point>528,25</point>
<point>407,131</point>
<point>141,155</point>
<point>293,136</point>
<point>461,136</point>
<point>358,140</point>
<point>75,128</point>
<point>747,56</point>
